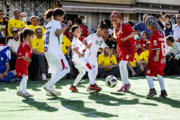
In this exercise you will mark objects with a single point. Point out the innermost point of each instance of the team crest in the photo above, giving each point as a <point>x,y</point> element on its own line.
<point>155,42</point>
<point>163,61</point>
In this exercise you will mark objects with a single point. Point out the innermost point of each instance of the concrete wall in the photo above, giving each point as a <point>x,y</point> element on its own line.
<point>169,2</point>
<point>106,1</point>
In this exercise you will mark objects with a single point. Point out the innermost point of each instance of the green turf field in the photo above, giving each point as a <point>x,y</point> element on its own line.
<point>108,104</point>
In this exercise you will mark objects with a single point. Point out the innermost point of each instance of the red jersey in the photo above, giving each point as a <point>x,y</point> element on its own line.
<point>85,31</point>
<point>143,45</point>
<point>21,64</point>
<point>126,49</point>
<point>156,42</point>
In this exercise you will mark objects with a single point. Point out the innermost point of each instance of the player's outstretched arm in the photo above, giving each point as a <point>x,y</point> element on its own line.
<point>129,36</point>
<point>59,32</point>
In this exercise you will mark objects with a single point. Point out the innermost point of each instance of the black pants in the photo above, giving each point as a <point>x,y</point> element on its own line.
<point>13,61</point>
<point>102,73</point>
<point>137,71</point>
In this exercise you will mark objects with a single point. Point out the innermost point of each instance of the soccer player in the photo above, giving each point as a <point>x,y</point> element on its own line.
<point>23,60</point>
<point>157,57</point>
<point>58,65</point>
<point>124,34</point>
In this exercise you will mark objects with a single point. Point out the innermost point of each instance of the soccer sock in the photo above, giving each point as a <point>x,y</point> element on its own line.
<point>124,71</point>
<point>150,81</point>
<point>161,81</point>
<point>60,74</point>
<point>79,77</point>
<point>92,75</point>
<point>24,83</point>
<point>20,86</point>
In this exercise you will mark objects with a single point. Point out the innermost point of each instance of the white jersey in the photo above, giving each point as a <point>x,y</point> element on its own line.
<point>95,43</point>
<point>51,41</point>
<point>76,43</point>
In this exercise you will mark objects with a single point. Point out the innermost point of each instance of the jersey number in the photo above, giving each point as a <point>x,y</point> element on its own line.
<point>163,49</point>
<point>47,37</point>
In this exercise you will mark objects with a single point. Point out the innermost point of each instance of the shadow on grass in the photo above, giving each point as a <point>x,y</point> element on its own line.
<point>78,106</point>
<point>42,106</point>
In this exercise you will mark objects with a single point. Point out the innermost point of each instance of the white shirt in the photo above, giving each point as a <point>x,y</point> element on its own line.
<point>13,44</point>
<point>176,32</point>
<point>51,41</point>
<point>76,43</point>
<point>95,43</point>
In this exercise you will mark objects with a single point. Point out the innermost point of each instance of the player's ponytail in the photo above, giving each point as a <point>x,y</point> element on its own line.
<point>49,13</point>
<point>102,25</point>
<point>73,28</point>
<point>24,34</point>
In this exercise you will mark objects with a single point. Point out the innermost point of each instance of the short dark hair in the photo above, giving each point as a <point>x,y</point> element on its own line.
<point>170,38</point>
<point>1,10</point>
<point>78,20</point>
<point>163,13</point>
<point>144,32</point>
<point>32,17</point>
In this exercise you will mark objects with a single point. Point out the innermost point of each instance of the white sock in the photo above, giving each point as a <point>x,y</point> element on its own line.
<point>24,83</point>
<point>150,81</point>
<point>161,81</point>
<point>92,75</point>
<point>124,71</point>
<point>20,86</point>
<point>79,77</point>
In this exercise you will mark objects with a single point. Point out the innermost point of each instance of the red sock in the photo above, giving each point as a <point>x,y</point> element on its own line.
<point>63,65</point>
<point>88,65</point>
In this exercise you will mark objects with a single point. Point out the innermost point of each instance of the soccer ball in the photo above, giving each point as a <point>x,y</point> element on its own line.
<point>111,81</point>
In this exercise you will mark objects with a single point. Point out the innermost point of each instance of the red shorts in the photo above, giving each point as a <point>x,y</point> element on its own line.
<point>126,56</point>
<point>155,69</point>
<point>21,69</point>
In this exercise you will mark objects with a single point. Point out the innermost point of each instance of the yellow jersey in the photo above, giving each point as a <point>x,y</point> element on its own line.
<point>38,44</point>
<point>136,59</point>
<point>105,61</point>
<point>144,56</point>
<point>34,27</point>
<point>66,43</point>
<point>13,23</point>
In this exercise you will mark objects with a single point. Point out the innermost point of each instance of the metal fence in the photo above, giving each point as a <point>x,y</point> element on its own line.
<point>30,7</point>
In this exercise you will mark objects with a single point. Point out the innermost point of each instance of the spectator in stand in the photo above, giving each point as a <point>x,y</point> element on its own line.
<point>145,55</point>
<point>35,22</point>
<point>15,23</point>
<point>168,31</point>
<point>78,22</point>
<point>160,21</point>
<point>66,48</point>
<point>136,67</point>
<point>167,18</point>
<point>24,17</point>
<point>6,19</point>
<point>141,44</point>
<point>107,65</point>
<point>176,29</point>
<point>14,45</point>
<point>38,51</point>
<point>162,15</point>
<point>3,28</point>
<point>42,23</point>
<point>5,74</point>
<point>173,57</point>
<point>142,27</point>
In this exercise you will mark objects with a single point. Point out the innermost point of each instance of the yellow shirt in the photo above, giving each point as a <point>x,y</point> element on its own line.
<point>66,43</point>
<point>136,59</point>
<point>38,44</point>
<point>144,56</point>
<point>34,27</point>
<point>13,23</point>
<point>105,61</point>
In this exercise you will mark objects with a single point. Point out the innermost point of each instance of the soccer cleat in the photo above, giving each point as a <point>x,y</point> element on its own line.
<point>152,92</point>
<point>94,88</point>
<point>73,88</point>
<point>26,94</point>
<point>49,87</point>
<point>19,93</point>
<point>49,94</point>
<point>163,94</point>
<point>121,89</point>
<point>126,87</point>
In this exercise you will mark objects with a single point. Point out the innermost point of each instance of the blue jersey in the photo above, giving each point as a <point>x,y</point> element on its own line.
<point>3,59</point>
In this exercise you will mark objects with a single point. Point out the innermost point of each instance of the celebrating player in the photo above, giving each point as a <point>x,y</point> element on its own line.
<point>124,34</point>
<point>23,60</point>
<point>157,57</point>
<point>58,65</point>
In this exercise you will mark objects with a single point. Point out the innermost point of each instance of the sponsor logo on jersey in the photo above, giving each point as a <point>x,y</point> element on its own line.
<point>1,58</point>
<point>155,42</point>
<point>45,49</point>
<point>163,61</point>
<point>148,72</point>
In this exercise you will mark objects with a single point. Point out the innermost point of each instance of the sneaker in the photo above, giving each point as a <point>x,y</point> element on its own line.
<point>73,88</point>
<point>126,87</point>
<point>49,87</point>
<point>163,94</point>
<point>26,94</point>
<point>94,88</point>
<point>152,92</point>
<point>19,93</point>
<point>49,94</point>
<point>44,77</point>
<point>121,89</point>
